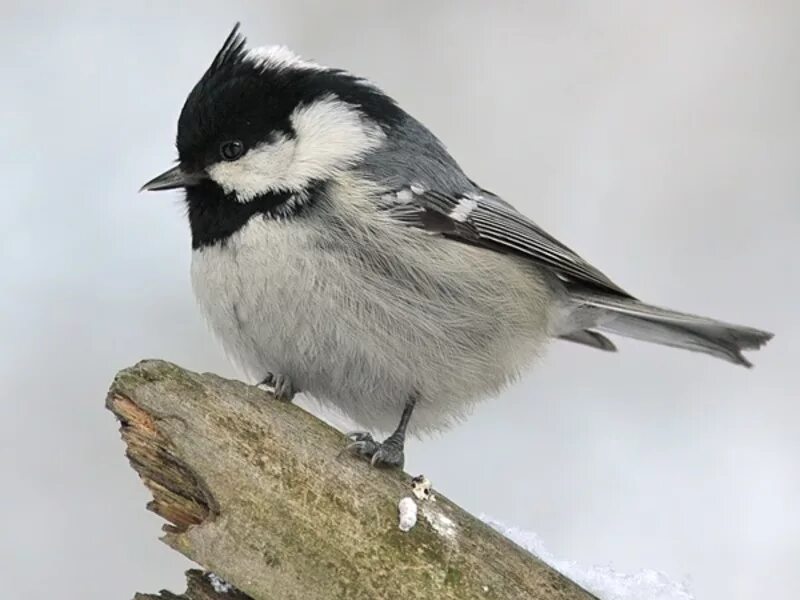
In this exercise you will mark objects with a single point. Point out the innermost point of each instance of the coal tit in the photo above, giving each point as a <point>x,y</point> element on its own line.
<point>339,250</point>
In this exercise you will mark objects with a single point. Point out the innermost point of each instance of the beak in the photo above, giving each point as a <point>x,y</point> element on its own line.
<point>174,178</point>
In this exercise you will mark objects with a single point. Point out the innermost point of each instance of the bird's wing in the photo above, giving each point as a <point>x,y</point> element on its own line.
<point>480,218</point>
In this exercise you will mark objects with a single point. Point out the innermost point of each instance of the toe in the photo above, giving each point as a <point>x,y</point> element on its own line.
<point>388,456</point>
<point>284,390</point>
<point>268,381</point>
<point>366,448</point>
<point>283,394</point>
<point>360,436</point>
<point>281,385</point>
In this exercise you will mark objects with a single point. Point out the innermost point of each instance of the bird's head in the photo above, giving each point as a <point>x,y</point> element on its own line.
<point>264,123</point>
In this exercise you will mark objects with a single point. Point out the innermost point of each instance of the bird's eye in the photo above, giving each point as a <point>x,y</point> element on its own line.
<point>231,150</point>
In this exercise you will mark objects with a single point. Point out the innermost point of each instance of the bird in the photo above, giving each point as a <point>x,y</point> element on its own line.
<point>339,250</point>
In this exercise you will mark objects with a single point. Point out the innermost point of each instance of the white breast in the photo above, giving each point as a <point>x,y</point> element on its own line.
<point>251,289</point>
<point>361,322</point>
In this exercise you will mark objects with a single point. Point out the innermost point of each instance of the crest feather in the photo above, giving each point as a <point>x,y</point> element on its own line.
<point>232,50</point>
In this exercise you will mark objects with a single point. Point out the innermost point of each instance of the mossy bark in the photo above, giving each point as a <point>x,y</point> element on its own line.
<point>259,492</point>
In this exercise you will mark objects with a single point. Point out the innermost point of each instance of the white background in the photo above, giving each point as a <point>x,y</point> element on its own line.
<point>659,140</point>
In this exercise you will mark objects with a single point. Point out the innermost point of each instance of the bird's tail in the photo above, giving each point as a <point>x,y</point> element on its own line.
<point>630,318</point>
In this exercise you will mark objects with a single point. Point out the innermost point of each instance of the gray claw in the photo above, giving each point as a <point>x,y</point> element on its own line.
<point>386,454</point>
<point>281,385</point>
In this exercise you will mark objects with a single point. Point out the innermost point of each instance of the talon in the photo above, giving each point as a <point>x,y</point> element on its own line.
<point>388,454</point>
<point>360,436</point>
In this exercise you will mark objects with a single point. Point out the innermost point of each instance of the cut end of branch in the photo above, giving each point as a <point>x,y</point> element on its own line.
<point>178,495</point>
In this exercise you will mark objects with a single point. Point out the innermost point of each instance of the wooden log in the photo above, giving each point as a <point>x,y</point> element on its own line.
<point>259,492</point>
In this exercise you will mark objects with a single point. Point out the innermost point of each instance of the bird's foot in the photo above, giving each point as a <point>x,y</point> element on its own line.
<point>281,385</point>
<point>389,453</point>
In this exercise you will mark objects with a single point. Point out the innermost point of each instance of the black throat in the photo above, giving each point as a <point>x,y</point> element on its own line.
<point>215,216</point>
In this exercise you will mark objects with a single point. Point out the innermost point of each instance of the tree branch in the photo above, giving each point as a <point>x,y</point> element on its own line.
<point>259,492</point>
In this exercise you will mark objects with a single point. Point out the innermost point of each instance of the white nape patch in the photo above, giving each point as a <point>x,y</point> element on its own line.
<point>407,511</point>
<point>463,209</point>
<point>280,57</point>
<point>330,135</point>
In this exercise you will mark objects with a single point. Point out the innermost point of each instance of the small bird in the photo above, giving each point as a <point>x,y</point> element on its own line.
<point>339,250</point>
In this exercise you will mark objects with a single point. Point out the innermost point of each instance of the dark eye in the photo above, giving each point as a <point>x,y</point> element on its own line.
<point>231,150</point>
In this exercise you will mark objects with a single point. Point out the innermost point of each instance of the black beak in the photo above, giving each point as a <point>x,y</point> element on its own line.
<point>174,178</point>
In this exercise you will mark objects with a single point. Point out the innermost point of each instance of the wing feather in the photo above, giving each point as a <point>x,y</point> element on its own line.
<point>479,217</point>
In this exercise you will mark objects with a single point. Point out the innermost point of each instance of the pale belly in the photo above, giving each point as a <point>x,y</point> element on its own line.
<point>362,334</point>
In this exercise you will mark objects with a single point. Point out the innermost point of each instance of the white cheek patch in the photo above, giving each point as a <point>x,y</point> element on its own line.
<point>260,170</point>
<point>330,136</point>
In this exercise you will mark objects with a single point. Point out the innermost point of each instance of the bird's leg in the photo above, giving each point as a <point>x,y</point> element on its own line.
<point>282,386</point>
<point>389,453</point>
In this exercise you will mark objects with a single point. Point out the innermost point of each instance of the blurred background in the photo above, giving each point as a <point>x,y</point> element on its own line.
<point>659,140</point>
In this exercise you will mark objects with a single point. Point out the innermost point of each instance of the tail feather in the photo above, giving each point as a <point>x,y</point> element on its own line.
<point>634,319</point>
<point>591,339</point>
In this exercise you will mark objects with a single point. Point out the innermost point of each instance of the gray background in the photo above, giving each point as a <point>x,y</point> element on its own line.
<point>660,140</point>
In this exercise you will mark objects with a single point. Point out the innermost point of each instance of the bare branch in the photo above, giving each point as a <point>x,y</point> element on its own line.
<point>259,492</point>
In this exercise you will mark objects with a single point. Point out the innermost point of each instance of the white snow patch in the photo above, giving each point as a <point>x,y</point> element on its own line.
<point>407,509</point>
<point>442,524</point>
<point>220,585</point>
<point>603,581</point>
